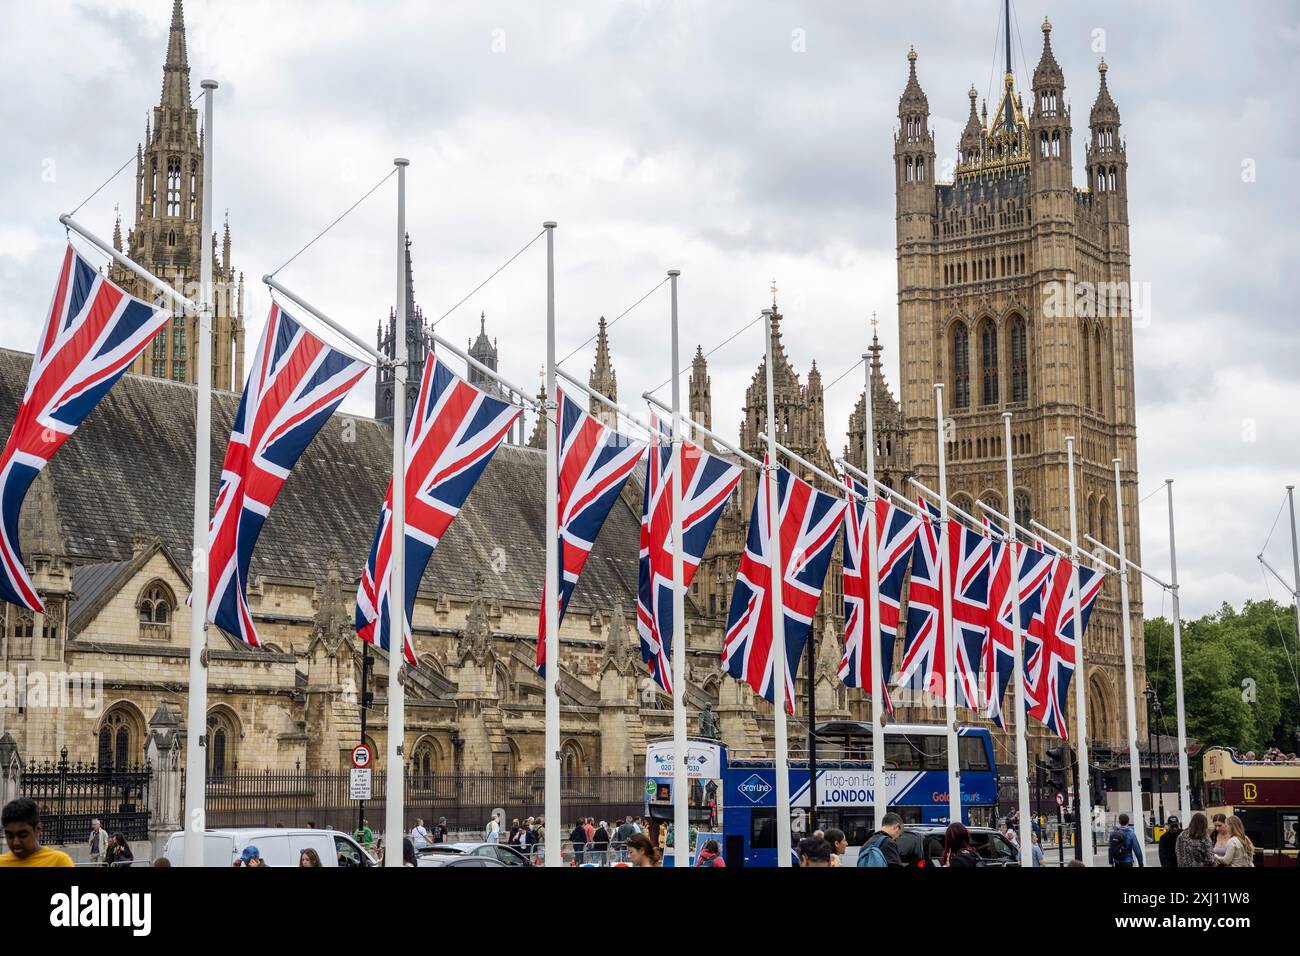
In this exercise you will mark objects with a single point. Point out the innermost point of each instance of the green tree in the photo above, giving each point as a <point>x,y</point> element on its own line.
<point>1239,676</point>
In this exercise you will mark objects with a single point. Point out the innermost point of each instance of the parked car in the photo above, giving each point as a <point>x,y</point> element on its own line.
<point>500,852</point>
<point>923,846</point>
<point>277,846</point>
<point>459,860</point>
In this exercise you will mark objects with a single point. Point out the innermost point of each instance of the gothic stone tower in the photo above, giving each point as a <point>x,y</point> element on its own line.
<point>166,238</point>
<point>417,348</point>
<point>1012,291</point>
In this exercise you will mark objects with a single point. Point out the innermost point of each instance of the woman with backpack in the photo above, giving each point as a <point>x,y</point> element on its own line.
<point>957,849</point>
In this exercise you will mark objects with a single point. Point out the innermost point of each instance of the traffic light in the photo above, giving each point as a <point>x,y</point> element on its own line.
<point>1098,787</point>
<point>1056,768</point>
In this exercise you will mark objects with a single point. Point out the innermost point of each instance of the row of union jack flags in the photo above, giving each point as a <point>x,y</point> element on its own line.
<point>94,330</point>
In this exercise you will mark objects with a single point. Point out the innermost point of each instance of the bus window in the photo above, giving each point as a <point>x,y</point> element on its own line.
<point>762,829</point>
<point>1290,831</point>
<point>856,824</point>
<point>901,755</point>
<point>971,753</point>
<point>910,815</point>
<point>934,752</point>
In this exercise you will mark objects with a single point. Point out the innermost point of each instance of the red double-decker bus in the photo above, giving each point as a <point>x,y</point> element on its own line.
<point>1264,794</point>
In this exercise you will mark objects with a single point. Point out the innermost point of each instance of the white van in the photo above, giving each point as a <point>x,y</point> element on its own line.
<point>277,846</point>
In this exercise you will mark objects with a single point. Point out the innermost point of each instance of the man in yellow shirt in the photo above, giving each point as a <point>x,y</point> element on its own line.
<point>21,820</point>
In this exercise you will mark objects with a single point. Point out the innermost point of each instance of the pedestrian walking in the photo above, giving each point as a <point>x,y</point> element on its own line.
<point>710,855</point>
<point>492,832</point>
<point>579,840</point>
<point>364,835</point>
<point>641,852</point>
<point>21,820</point>
<point>814,853</point>
<point>1168,845</point>
<point>1221,835</point>
<point>1123,847</point>
<point>839,845</point>
<point>408,852</point>
<point>881,849</point>
<point>1036,854</point>
<point>118,852</point>
<point>1193,848</point>
<point>600,844</point>
<point>98,839</point>
<point>1240,851</point>
<point>957,849</point>
<point>441,832</point>
<point>419,835</point>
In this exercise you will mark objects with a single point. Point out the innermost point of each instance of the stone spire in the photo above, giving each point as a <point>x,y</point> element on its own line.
<point>484,350</point>
<point>176,70</point>
<point>700,392</point>
<point>117,228</point>
<point>538,438</point>
<point>1104,110</point>
<point>603,379</point>
<point>225,244</point>
<point>1048,75</point>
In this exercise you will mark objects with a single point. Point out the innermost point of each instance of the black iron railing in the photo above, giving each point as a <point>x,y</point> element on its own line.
<point>71,795</point>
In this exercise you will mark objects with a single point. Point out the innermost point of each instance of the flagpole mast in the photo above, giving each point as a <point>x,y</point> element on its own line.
<point>1295,555</point>
<point>551,606</point>
<point>1083,787</point>
<point>395,776</point>
<point>1184,776</point>
<point>196,720</point>
<point>948,658</point>
<point>879,798</point>
<point>1026,833</point>
<point>1135,766</point>
<point>681,783</point>
<point>781,761</point>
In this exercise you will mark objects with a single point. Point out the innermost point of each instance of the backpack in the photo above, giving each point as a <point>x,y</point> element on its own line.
<point>1117,845</point>
<point>871,854</point>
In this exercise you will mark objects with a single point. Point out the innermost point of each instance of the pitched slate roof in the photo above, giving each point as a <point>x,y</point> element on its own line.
<point>129,469</point>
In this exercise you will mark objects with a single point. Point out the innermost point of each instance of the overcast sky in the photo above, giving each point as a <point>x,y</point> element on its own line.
<point>737,141</point>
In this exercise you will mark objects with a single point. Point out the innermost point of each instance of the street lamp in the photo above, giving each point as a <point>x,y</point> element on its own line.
<point>1153,712</point>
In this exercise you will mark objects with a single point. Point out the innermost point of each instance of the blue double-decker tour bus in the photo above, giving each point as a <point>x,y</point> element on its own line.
<point>734,798</point>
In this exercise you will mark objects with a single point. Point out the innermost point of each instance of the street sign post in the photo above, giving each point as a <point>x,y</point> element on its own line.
<point>361,757</point>
<point>359,783</point>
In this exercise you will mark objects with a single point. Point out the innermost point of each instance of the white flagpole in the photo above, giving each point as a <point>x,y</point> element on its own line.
<point>551,832</point>
<point>196,720</point>
<point>681,782</point>
<point>781,763</point>
<point>1026,833</point>
<point>395,777</point>
<point>948,657</point>
<point>1184,776</point>
<point>1135,765</point>
<point>1083,786</point>
<point>871,630</point>
<point>1295,555</point>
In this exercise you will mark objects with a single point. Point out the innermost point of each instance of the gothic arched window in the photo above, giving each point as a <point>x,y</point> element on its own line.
<point>960,366</point>
<point>194,188</point>
<point>988,363</point>
<point>121,737</point>
<point>1023,513</point>
<point>1019,361</point>
<point>1100,371</point>
<point>1087,365</point>
<point>155,612</point>
<point>223,743</point>
<point>173,187</point>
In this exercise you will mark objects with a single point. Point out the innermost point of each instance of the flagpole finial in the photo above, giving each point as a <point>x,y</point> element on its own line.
<point>773,294</point>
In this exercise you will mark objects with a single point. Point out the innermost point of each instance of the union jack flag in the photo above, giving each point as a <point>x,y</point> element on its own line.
<point>1051,645</point>
<point>93,331</point>
<point>1035,568</point>
<point>454,431</point>
<point>969,570</point>
<point>707,483</point>
<point>809,521</point>
<point>923,649</point>
<point>295,384</point>
<point>595,463</point>
<point>896,532</point>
